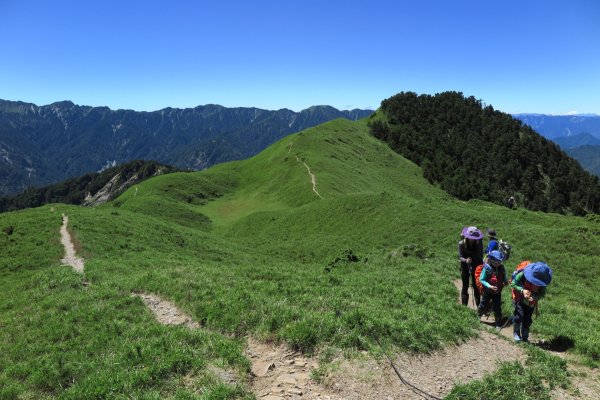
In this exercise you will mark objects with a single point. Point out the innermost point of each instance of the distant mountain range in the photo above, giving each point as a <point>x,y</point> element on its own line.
<point>40,145</point>
<point>580,139</point>
<point>555,126</point>
<point>578,135</point>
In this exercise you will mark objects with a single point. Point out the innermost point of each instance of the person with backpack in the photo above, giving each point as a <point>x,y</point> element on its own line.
<point>528,286</point>
<point>490,281</point>
<point>470,255</point>
<point>493,241</point>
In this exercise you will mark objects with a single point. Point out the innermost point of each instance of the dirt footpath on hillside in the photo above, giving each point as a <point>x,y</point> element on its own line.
<point>70,257</point>
<point>280,373</point>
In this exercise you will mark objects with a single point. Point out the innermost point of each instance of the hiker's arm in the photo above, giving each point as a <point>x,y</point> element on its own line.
<point>516,283</point>
<point>483,278</point>
<point>461,256</point>
<point>505,279</point>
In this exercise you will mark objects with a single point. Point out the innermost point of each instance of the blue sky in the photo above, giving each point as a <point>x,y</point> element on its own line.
<point>519,56</point>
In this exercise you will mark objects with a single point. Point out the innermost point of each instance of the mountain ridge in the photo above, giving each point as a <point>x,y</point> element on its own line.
<point>45,144</point>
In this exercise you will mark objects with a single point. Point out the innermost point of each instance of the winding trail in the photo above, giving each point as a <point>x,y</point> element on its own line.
<point>279,373</point>
<point>313,178</point>
<point>70,257</point>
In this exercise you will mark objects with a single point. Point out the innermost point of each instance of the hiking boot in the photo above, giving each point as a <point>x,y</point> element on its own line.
<point>525,335</point>
<point>517,337</point>
<point>517,331</point>
<point>465,300</point>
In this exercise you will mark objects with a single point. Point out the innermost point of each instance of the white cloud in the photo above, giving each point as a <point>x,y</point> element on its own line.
<point>572,113</point>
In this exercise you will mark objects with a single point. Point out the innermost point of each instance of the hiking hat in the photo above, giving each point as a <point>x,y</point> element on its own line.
<point>496,255</point>
<point>538,273</point>
<point>491,232</point>
<point>471,232</point>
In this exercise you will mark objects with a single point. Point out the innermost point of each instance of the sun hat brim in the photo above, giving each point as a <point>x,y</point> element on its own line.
<point>543,270</point>
<point>471,232</point>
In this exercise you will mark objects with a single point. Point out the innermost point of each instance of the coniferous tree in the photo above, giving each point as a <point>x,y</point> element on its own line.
<point>474,151</point>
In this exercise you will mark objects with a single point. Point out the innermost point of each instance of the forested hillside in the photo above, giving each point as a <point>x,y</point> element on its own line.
<point>111,182</point>
<point>473,151</point>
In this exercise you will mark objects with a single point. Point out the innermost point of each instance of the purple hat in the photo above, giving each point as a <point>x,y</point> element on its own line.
<point>471,232</point>
<point>538,273</point>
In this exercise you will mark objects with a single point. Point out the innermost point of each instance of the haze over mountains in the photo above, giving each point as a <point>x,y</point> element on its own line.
<point>40,145</point>
<point>578,135</point>
<point>556,126</point>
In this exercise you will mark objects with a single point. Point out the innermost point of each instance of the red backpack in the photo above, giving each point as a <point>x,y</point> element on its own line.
<point>495,280</point>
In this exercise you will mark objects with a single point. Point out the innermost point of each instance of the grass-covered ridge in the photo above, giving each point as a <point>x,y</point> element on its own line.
<point>249,247</point>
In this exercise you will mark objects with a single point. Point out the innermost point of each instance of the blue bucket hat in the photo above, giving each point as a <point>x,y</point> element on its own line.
<point>496,255</point>
<point>538,273</point>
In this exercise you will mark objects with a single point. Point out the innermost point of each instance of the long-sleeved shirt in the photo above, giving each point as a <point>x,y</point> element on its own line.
<point>520,283</point>
<point>492,245</point>
<point>486,273</point>
<point>474,252</point>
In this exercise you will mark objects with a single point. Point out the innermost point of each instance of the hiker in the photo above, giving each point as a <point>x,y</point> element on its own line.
<point>470,255</point>
<point>493,241</point>
<point>492,279</point>
<point>528,286</point>
<point>510,203</point>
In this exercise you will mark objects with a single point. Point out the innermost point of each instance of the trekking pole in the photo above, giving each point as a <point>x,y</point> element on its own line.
<point>415,389</point>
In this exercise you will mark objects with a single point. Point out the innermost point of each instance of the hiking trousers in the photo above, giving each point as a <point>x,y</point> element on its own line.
<point>496,299</point>
<point>465,275</point>
<point>523,315</point>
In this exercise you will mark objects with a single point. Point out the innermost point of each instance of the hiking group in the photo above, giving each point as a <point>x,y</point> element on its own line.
<point>488,277</point>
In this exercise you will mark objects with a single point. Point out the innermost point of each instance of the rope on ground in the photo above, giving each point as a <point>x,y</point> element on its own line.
<point>414,388</point>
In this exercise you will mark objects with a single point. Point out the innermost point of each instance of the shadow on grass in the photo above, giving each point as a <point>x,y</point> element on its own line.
<point>558,344</point>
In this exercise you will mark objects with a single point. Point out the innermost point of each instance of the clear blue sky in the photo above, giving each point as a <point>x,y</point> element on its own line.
<point>519,56</point>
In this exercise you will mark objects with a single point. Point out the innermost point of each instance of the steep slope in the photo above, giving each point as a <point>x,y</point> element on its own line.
<point>42,145</point>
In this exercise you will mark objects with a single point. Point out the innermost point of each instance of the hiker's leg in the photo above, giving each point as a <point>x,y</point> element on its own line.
<point>464,275</point>
<point>485,299</point>
<point>527,321</point>
<point>497,306</point>
<point>518,316</point>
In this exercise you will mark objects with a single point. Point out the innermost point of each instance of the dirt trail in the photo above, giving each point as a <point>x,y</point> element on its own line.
<point>279,373</point>
<point>434,373</point>
<point>166,312</point>
<point>505,331</point>
<point>70,257</point>
<point>313,178</point>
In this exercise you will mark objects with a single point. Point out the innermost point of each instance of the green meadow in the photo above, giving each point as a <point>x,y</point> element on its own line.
<point>248,247</point>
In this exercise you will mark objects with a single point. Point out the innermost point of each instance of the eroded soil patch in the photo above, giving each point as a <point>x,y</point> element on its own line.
<point>434,373</point>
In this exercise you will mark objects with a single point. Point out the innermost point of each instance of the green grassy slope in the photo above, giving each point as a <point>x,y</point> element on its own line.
<point>249,247</point>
